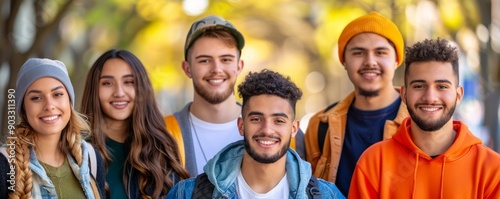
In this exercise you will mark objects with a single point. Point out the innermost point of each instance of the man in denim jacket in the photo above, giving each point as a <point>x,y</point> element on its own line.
<point>262,165</point>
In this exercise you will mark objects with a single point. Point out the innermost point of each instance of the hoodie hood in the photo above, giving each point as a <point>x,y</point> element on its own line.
<point>223,169</point>
<point>463,141</point>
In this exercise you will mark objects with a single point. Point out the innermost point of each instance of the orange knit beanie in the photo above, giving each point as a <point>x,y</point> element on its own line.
<point>372,23</point>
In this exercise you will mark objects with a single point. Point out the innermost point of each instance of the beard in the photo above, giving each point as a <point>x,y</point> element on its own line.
<point>211,97</point>
<point>366,93</point>
<point>263,158</point>
<point>430,125</point>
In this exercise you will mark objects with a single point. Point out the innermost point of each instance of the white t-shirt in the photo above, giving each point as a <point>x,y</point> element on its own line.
<point>212,138</point>
<point>244,191</point>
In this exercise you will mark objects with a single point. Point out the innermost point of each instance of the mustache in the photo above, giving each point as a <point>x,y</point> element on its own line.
<point>263,135</point>
<point>428,104</point>
<point>370,69</point>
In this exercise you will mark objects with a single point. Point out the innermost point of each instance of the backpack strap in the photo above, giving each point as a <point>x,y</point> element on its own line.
<point>312,189</point>
<point>323,129</point>
<point>92,160</point>
<point>175,130</point>
<point>203,188</point>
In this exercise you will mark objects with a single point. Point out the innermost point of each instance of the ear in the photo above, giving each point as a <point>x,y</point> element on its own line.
<point>402,92</point>
<point>460,94</point>
<point>186,67</point>
<point>241,65</point>
<point>241,126</point>
<point>295,127</point>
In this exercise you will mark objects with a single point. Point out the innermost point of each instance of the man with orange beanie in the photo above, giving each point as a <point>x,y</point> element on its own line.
<point>370,48</point>
<point>431,155</point>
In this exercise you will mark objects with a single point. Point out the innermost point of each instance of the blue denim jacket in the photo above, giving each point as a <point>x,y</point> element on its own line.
<point>223,169</point>
<point>182,117</point>
<point>42,185</point>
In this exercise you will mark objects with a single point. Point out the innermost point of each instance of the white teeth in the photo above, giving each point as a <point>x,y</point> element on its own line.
<point>370,74</point>
<point>49,118</point>
<point>430,109</point>
<point>119,103</point>
<point>266,142</point>
<point>216,81</point>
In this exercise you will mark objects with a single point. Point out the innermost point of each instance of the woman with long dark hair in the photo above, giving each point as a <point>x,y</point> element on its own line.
<point>142,157</point>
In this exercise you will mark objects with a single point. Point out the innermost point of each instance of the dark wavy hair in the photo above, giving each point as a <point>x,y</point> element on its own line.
<point>271,83</point>
<point>152,151</point>
<point>432,50</point>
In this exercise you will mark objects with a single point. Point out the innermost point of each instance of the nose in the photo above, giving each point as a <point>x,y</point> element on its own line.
<point>216,67</point>
<point>370,60</point>
<point>267,127</point>
<point>118,92</point>
<point>430,95</point>
<point>49,104</point>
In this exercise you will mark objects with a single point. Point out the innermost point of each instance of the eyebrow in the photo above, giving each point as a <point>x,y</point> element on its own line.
<point>51,90</point>
<point>361,48</point>
<point>436,81</point>
<point>111,76</point>
<point>261,114</point>
<point>208,56</point>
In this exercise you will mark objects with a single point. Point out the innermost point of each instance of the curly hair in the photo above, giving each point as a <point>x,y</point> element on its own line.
<point>439,50</point>
<point>271,83</point>
<point>153,151</point>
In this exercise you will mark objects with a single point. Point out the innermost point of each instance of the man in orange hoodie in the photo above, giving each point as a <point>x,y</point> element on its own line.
<point>431,155</point>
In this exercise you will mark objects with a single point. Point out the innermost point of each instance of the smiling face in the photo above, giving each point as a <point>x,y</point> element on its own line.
<point>267,125</point>
<point>116,90</point>
<point>213,66</point>
<point>431,94</point>
<point>47,106</point>
<point>370,62</point>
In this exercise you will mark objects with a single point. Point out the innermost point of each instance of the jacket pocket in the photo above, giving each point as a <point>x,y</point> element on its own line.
<point>322,168</point>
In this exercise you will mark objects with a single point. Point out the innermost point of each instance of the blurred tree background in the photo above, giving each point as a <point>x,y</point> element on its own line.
<point>294,37</point>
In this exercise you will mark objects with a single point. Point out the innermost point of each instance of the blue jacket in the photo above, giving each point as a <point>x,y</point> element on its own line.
<point>43,186</point>
<point>223,169</point>
<point>182,117</point>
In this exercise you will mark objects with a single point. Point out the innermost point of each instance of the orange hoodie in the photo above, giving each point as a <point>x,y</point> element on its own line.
<point>397,168</point>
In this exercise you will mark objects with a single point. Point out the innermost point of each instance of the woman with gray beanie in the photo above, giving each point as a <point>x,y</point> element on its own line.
<point>47,145</point>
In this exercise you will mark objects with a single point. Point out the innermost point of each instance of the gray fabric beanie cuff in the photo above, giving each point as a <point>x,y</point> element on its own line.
<point>36,68</point>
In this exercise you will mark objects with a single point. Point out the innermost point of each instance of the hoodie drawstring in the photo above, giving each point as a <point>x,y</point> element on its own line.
<point>442,177</point>
<point>415,175</point>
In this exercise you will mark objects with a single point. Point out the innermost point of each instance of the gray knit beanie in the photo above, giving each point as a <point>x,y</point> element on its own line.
<point>36,68</point>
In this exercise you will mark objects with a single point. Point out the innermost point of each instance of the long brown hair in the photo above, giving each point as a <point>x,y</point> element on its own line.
<point>70,142</point>
<point>153,152</point>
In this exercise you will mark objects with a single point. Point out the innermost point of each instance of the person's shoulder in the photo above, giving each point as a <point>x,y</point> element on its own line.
<point>329,190</point>
<point>488,155</point>
<point>380,145</point>
<point>373,153</point>
<point>182,189</point>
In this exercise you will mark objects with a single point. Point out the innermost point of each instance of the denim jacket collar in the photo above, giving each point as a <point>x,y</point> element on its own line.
<point>43,186</point>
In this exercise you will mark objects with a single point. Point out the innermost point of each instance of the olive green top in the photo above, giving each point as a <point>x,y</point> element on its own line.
<point>66,183</point>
